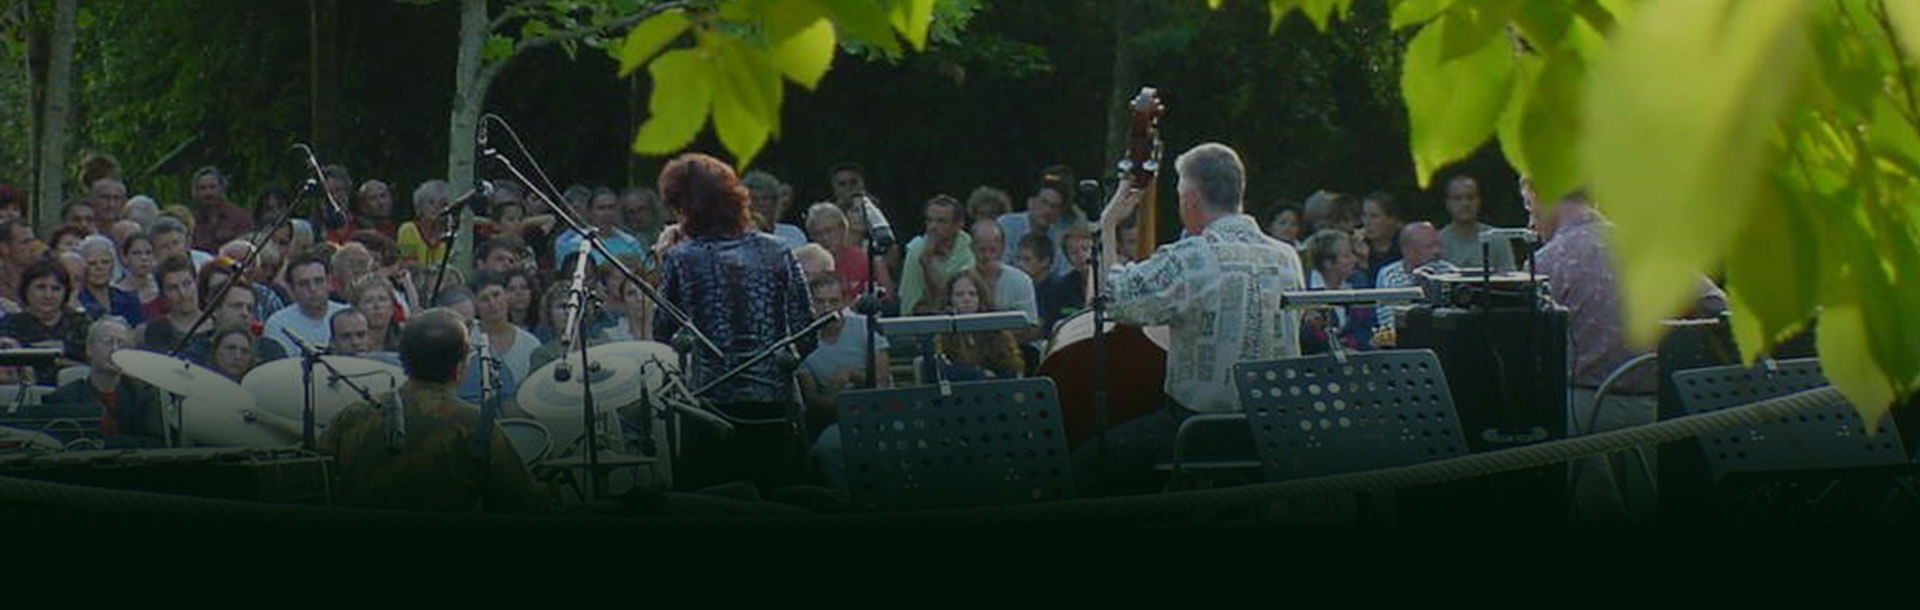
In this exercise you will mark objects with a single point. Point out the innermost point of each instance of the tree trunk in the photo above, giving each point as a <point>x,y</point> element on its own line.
<point>56,113</point>
<point>469,99</point>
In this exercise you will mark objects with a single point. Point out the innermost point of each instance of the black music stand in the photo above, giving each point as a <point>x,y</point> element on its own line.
<point>1319,415</point>
<point>1815,453</point>
<point>971,443</point>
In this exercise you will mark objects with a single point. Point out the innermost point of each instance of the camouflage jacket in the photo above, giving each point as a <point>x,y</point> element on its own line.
<point>435,470</point>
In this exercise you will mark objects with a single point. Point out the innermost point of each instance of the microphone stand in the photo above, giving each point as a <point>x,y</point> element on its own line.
<point>310,356</point>
<point>245,264</point>
<point>1098,300</point>
<point>489,393</point>
<point>737,370</point>
<point>576,332</point>
<point>869,307</point>
<point>447,236</point>
<point>594,241</point>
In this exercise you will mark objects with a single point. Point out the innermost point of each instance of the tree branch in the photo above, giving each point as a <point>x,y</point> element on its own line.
<point>513,12</point>
<point>1912,110</point>
<point>576,34</point>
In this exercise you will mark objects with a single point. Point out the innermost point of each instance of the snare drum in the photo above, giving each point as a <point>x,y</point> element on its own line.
<point>529,438</point>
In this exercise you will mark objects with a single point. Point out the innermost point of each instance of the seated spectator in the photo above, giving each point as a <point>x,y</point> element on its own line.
<point>77,214</point>
<point>1382,218</point>
<point>1035,258</point>
<point>373,296</point>
<point>170,237</point>
<point>420,240</point>
<point>98,296</point>
<point>66,238</point>
<point>1460,239</point>
<point>769,209</point>
<point>642,214</point>
<point>498,255</point>
<point>520,305</point>
<point>976,355</point>
<point>347,333</point>
<point>233,352</point>
<point>45,321</point>
<point>234,309</point>
<point>1330,260</point>
<point>934,257</point>
<point>1282,222</point>
<point>180,294</point>
<point>129,408</point>
<point>603,212</point>
<point>838,363</point>
<point>307,316</point>
<point>815,261</point>
<point>1064,295</point>
<point>828,226</point>
<point>988,203</point>
<point>512,345</point>
<point>136,257</point>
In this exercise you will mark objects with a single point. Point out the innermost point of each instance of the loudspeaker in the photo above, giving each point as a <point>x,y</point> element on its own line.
<point>1508,367</point>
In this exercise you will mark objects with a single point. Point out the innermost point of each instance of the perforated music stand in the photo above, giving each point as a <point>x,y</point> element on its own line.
<point>958,444</point>
<point>1814,451</point>
<point>1323,415</point>
<point>1831,437</point>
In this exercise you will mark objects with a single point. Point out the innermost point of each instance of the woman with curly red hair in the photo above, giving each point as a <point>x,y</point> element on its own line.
<point>745,292</point>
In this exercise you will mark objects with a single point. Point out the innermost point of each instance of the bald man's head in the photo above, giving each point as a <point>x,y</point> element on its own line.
<point>1419,244</point>
<point>989,243</point>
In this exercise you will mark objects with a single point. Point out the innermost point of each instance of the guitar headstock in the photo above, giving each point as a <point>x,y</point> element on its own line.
<point>1142,162</point>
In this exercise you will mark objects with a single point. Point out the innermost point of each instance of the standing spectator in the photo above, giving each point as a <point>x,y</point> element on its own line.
<point>1460,239</point>
<point>217,220</point>
<point>1382,219</point>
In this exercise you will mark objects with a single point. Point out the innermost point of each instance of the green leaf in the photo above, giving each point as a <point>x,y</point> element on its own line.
<point>802,41</point>
<point>649,37</point>
<point>534,28</point>
<point>676,110</point>
<point>1473,25</point>
<point>1526,70</point>
<point>498,47</point>
<point>1319,11</point>
<point>1905,16</point>
<point>1414,12</point>
<point>746,102</point>
<point>912,18</point>
<point>1550,126</point>
<point>1844,356</point>
<point>1708,79</point>
<point>1451,105</point>
<point>1213,4</point>
<point>1772,274</point>
<point>864,21</point>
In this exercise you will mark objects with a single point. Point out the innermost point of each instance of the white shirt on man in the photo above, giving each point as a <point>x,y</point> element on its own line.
<point>1013,291</point>
<point>314,332</point>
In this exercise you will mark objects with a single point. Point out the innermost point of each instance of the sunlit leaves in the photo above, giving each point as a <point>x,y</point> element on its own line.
<point>802,41</point>
<point>649,37</point>
<point>912,18</point>
<point>682,91</point>
<point>1843,332</point>
<point>1772,274</point>
<point>498,47</point>
<point>1414,12</point>
<point>1452,105</point>
<point>746,97</point>
<point>1707,78</point>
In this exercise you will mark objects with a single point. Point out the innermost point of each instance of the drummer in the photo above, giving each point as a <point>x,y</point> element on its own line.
<point>129,408</point>
<point>432,467</point>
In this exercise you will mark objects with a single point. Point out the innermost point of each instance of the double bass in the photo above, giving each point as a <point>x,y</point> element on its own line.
<point>1137,357</point>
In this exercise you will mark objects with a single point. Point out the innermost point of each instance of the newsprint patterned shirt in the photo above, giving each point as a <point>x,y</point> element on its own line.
<point>1219,295</point>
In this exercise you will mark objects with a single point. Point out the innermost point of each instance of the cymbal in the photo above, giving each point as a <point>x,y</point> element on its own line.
<point>278,388</point>
<point>224,423</point>
<point>643,351</point>
<point>179,376</point>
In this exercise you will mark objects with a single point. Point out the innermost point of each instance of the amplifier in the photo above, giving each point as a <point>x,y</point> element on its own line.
<point>1508,369</point>
<point>265,475</point>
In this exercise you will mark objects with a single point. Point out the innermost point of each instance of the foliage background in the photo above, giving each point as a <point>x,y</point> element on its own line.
<point>1023,85</point>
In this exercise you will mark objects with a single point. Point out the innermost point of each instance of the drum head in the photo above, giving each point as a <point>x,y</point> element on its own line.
<point>176,376</point>
<point>529,438</point>
<point>278,388</point>
<point>223,423</point>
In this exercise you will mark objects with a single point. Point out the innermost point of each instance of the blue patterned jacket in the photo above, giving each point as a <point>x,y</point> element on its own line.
<point>745,293</point>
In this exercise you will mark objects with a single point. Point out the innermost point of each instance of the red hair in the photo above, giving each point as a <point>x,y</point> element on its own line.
<point>710,198</point>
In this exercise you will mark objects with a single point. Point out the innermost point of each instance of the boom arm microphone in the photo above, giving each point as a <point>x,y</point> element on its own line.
<point>313,163</point>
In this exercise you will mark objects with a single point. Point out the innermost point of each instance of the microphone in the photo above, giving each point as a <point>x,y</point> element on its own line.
<point>302,344</point>
<point>576,306</point>
<point>321,176</point>
<point>877,225</point>
<point>1088,194</point>
<point>475,199</point>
